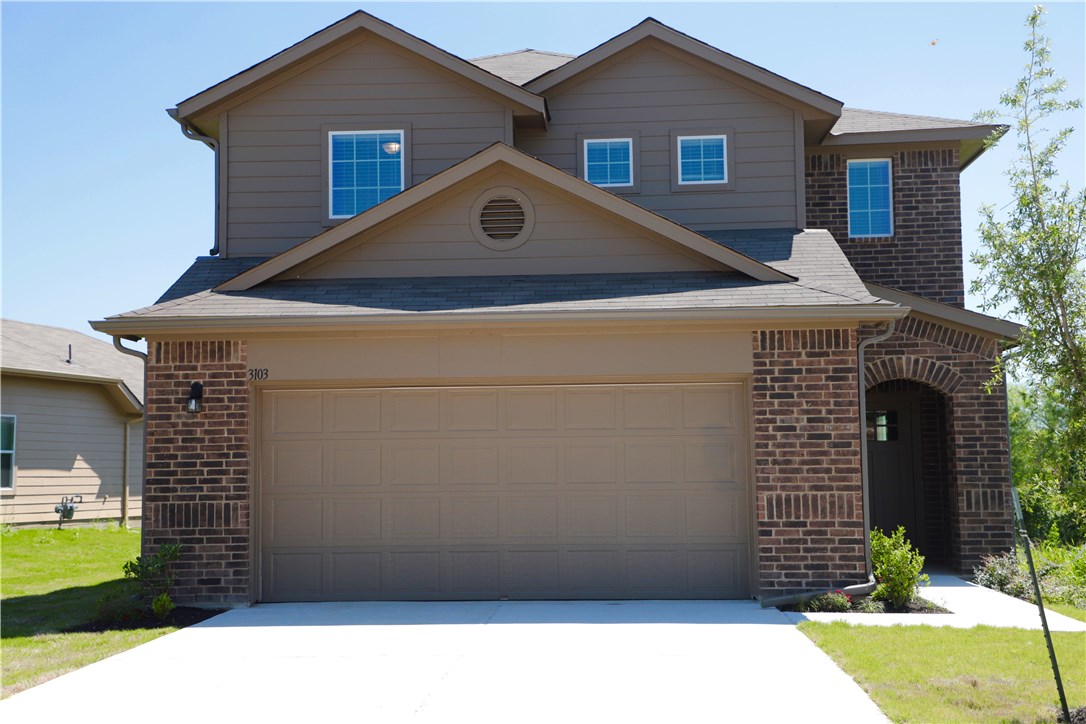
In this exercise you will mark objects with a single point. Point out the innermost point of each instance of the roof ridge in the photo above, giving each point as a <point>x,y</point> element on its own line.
<point>518,52</point>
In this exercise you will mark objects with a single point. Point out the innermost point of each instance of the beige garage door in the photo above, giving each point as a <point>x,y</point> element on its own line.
<point>556,492</point>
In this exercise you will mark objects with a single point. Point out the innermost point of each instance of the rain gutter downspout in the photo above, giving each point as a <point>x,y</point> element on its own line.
<point>859,589</point>
<point>143,397</point>
<point>190,133</point>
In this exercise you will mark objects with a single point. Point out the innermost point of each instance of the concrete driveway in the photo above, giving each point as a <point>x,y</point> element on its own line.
<point>636,661</point>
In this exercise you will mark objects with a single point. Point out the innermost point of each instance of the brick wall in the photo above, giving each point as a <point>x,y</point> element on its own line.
<point>196,491</point>
<point>808,490</point>
<point>959,364</point>
<point>924,256</point>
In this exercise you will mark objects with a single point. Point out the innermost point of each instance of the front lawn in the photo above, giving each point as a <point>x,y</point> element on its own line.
<point>52,581</point>
<point>982,674</point>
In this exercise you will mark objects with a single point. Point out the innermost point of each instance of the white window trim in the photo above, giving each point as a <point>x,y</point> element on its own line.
<point>848,188</point>
<point>356,133</point>
<point>679,158</point>
<point>14,443</point>
<point>584,171</point>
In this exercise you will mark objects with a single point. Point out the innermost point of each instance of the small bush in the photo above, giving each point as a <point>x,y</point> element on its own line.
<point>162,606</point>
<point>868,605</point>
<point>897,567</point>
<point>1003,573</point>
<point>836,602</point>
<point>119,607</point>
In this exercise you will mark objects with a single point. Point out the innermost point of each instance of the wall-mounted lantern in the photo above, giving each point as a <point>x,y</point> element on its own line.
<point>195,402</point>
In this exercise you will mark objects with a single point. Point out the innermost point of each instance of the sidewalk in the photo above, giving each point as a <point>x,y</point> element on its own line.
<point>971,605</point>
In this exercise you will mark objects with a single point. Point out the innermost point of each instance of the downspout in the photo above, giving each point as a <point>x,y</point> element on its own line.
<point>859,589</point>
<point>190,133</point>
<point>124,497</point>
<point>123,522</point>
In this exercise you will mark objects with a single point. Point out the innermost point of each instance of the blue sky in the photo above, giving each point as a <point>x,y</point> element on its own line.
<point>105,203</point>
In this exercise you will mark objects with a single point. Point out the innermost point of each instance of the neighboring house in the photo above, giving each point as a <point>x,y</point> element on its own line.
<point>72,424</point>
<point>535,326</point>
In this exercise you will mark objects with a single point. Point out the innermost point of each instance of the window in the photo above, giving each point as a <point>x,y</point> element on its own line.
<point>608,161</point>
<point>7,452</point>
<point>870,207</point>
<point>882,425</point>
<point>703,159</point>
<point>365,168</point>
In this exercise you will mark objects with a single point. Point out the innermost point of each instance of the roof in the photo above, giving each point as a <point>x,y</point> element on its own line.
<point>207,272</point>
<point>859,120</point>
<point>41,351</point>
<point>521,66</point>
<point>827,287</point>
<point>973,321</point>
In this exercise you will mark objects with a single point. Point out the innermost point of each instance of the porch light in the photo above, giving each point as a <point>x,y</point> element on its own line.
<point>195,402</point>
<point>391,147</point>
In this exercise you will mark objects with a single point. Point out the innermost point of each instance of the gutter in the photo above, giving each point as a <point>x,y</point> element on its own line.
<point>124,493</point>
<point>190,133</point>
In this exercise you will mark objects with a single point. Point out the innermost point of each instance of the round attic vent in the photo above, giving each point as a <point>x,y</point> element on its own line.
<point>502,218</point>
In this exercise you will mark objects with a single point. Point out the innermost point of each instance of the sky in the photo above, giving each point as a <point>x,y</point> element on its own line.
<point>105,203</point>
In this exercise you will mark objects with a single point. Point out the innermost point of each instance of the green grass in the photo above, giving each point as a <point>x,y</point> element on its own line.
<point>982,674</point>
<point>1067,610</point>
<point>52,580</point>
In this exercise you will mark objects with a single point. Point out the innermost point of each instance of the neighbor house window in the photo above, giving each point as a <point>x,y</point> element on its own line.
<point>366,167</point>
<point>870,205</point>
<point>7,452</point>
<point>608,161</point>
<point>703,159</point>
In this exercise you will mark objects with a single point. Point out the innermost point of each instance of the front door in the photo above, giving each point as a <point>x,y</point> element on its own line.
<point>893,449</point>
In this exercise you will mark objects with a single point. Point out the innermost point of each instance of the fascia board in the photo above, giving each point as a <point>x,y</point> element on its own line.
<point>496,153</point>
<point>926,135</point>
<point>359,20</point>
<point>974,321</point>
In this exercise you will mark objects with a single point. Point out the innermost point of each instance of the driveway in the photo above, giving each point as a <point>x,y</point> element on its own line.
<point>635,661</point>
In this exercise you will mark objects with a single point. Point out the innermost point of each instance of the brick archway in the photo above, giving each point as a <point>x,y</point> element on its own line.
<point>906,367</point>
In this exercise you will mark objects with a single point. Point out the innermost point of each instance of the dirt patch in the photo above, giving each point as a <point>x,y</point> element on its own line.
<point>180,617</point>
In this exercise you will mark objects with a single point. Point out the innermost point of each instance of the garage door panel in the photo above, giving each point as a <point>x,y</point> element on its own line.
<point>354,464</point>
<point>710,462</point>
<point>710,408</point>
<point>355,575</point>
<point>295,576</point>
<point>475,573</point>
<point>531,573</point>
<point>592,463</point>
<point>354,519</point>
<point>294,521</point>
<point>589,409</point>
<point>531,463</point>
<point>652,461</point>
<point>654,572</point>
<point>473,517</point>
<point>655,516</point>
<point>531,517</point>
<point>591,517</point>
<point>413,464</point>
<point>531,409</point>
<point>716,571</point>
<point>414,519</point>
<point>412,411</point>
<point>294,413</point>
<point>470,463</point>
<point>717,516</point>
<point>651,408</point>
<point>293,464</point>
<point>413,573</point>
<point>353,412</point>
<point>589,572</point>
<point>471,411</point>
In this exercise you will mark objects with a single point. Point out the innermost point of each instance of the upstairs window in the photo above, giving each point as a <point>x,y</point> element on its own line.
<point>608,161</point>
<point>7,452</point>
<point>703,159</point>
<point>870,198</point>
<point>366,168</point>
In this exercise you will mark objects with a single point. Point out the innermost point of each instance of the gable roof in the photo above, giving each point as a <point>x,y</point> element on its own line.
<point>521,66</point>
<point>819,103</point>
<point>527,102</point>
<point>37,350</point>
<point>493,155</point>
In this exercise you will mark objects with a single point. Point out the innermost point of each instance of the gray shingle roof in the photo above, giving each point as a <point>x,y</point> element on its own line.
<point>858,120</point>
<point>521,66</point>
<point>825,279</point>
<point>207,272</point>
<point>38,348</point>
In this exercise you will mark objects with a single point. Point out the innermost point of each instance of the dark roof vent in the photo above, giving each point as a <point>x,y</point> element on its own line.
<point>502,218</point>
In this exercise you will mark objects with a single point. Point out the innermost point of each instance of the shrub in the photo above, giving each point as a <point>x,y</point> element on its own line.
<point>155,575</point>
<point>1061,573</point>
<point>1003,573</point>
<point>868,605</point>
<point>161,606</point>
<point>836,602</point>
<point>897,567</point>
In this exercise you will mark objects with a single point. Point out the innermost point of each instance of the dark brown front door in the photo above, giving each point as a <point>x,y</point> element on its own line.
<point>893,448</point>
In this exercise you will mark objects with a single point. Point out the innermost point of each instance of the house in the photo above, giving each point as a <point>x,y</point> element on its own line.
<point>71,412</point>
<point>648,322</point>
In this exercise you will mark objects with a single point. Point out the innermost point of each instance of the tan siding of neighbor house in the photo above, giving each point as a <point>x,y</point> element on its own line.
<point>653,91</point>
<point>69,440</point>
<point>274,142</point>
<point>569,237</point>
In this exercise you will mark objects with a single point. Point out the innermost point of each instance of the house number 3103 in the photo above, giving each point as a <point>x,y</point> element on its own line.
<point>258,373</point>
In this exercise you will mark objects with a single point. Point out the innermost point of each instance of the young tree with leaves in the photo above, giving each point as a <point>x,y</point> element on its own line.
<point>1033,260</point>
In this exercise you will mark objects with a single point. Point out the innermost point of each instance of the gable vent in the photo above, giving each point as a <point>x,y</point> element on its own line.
<point>502,218</point>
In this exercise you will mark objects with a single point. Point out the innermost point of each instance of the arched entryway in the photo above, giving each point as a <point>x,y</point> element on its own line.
<point>909,468</point>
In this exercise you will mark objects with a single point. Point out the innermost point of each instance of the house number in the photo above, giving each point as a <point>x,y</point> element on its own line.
<point>258,373</point>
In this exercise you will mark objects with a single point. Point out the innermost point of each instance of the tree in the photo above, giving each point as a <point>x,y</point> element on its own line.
<point>1034,260</point>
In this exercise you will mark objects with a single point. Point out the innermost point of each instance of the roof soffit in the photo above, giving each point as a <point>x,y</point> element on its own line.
<point>331,41</point>
<point>482,163</point>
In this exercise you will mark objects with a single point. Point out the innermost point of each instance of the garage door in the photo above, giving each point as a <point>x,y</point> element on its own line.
<point>542,492</point>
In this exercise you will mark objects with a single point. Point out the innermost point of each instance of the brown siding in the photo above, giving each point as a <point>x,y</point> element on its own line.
<point>274,141</point>
<point>653,92</point>
<point>69,440</point>
<point>568,238</point>
<point>924,256</point>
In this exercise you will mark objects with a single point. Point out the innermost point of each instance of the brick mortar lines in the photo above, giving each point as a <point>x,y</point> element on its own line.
<point>196,491</point>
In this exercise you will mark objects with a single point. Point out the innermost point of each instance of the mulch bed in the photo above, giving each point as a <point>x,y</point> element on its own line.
<point>1078,716</point>
<point>180,617</point>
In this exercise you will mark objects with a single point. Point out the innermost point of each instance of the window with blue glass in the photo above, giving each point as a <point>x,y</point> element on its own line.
<point>870,198</point>
<point>608,161</point>
<point>703,159</point>
<point>367,168</point>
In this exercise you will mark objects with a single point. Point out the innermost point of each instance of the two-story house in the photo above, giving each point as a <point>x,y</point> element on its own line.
<point>648,322</point>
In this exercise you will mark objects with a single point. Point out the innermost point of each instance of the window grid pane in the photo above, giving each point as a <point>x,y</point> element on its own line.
<point>702,160</point>
<point>870,201</point>
<point>367,168</point>
<point>608,163</point>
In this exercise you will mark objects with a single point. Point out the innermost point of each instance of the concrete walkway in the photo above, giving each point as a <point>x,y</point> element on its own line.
<point>971,605</point>
<point>635,661</point>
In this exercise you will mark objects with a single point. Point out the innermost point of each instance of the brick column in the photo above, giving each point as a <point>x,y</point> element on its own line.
<point>196,491</point>
<point>808,489</point>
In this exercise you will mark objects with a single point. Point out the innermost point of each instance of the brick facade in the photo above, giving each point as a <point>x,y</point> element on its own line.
<point>924,256</point>
<point>807,477</point>
<point>958,365</point>
<point>197,481</point>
